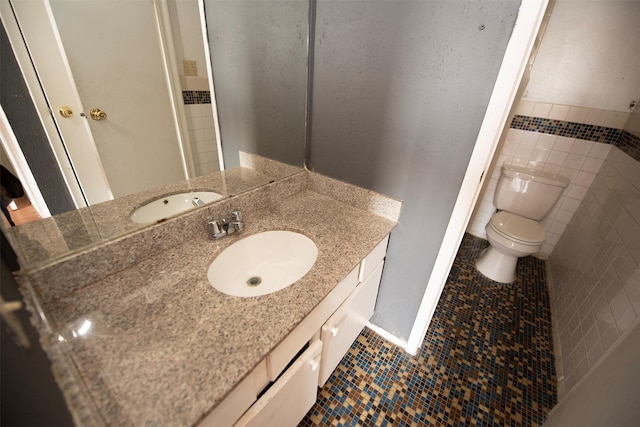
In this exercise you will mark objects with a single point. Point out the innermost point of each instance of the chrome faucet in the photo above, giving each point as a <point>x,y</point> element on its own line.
<point>218,228</point>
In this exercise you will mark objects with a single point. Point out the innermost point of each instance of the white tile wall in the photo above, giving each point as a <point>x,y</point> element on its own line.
<point>576,159</point>
<point>203,138</point>
<point>596,268</point>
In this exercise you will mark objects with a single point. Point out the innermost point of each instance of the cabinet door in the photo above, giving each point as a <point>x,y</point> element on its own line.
<point>282,355</point>
<point>342,329</point>
<point>290,398</point>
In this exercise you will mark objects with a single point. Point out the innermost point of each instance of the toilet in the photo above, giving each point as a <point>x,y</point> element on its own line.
<point>523,197</point>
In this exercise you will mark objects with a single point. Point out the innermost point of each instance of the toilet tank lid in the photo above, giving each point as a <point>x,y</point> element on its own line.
<point>535,175</point>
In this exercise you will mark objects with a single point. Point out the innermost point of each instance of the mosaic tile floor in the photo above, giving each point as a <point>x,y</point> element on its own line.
<point>487,359</point>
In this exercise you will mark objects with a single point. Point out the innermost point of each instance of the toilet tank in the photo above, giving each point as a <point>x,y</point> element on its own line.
<point>528,192</point>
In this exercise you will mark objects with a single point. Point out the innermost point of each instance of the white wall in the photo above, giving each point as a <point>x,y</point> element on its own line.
<point>589,56</point>
<point>187,34</point>
<point>596,269</point>
<point>608,396</point>
<point>633,124</point>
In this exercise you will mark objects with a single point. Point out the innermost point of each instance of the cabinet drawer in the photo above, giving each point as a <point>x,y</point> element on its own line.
<point>342,329</point>
<point>289,398</point>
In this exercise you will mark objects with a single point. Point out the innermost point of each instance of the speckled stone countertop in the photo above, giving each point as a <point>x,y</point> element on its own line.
<point>156,344</point>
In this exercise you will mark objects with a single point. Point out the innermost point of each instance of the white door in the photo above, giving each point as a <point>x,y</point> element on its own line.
<point>106,54</point>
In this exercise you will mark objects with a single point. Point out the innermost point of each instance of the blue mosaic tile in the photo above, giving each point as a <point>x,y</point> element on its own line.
<point>487,359</point>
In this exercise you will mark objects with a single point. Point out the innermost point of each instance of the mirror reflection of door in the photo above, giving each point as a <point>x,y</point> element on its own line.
<point>113,59</point>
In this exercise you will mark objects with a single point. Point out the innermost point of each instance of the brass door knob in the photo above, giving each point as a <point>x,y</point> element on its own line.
<point>97,114</point>
<point>65,111</point>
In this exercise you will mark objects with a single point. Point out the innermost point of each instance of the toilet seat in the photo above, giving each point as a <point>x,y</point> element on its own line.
<point>514,227</point>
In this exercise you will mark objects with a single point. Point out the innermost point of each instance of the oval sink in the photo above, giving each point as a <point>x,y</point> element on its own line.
<point>168,206</point>
<point>263,263</point>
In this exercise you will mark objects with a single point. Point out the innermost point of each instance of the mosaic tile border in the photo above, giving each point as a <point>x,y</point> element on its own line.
<point>569,129</point>
<point>191,97</point>
<point>622,139</point>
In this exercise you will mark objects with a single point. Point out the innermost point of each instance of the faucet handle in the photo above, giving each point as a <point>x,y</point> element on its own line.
<point>215,229</point>
<point>236,222</point>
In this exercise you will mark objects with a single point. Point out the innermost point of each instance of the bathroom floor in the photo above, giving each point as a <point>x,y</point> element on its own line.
<point>487,359</point>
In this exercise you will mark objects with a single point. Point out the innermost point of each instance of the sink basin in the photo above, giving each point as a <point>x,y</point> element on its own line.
<point>168,206</point>
<point>262,263</point>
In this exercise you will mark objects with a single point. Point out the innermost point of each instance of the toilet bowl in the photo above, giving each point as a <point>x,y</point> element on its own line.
<point>523,197</point>
<point>510,237</point>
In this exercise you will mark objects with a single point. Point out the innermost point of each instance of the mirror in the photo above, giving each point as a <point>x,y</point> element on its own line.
<point>259,63</point>
<point>259,60</point>
<point>43,241</point>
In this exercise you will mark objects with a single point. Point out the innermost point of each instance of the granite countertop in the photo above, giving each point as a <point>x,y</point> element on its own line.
<point>156,344</point>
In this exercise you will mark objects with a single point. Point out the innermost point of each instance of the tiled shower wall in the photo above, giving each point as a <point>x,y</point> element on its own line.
<point>559,139</point>
<point>201,130</point>
<point>203,138</point>
<point>596,268</point>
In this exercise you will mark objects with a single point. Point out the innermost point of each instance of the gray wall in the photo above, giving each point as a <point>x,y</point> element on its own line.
<point>259,61</point>
<point>21,113</point>
<point>400,91</point>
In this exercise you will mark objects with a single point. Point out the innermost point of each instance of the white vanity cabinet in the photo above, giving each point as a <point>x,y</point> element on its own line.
<point>346,323</point>
<point>294,375</point>
<point>344,326</point>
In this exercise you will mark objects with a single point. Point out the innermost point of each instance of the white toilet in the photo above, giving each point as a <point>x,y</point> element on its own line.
<point>523,197</point>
